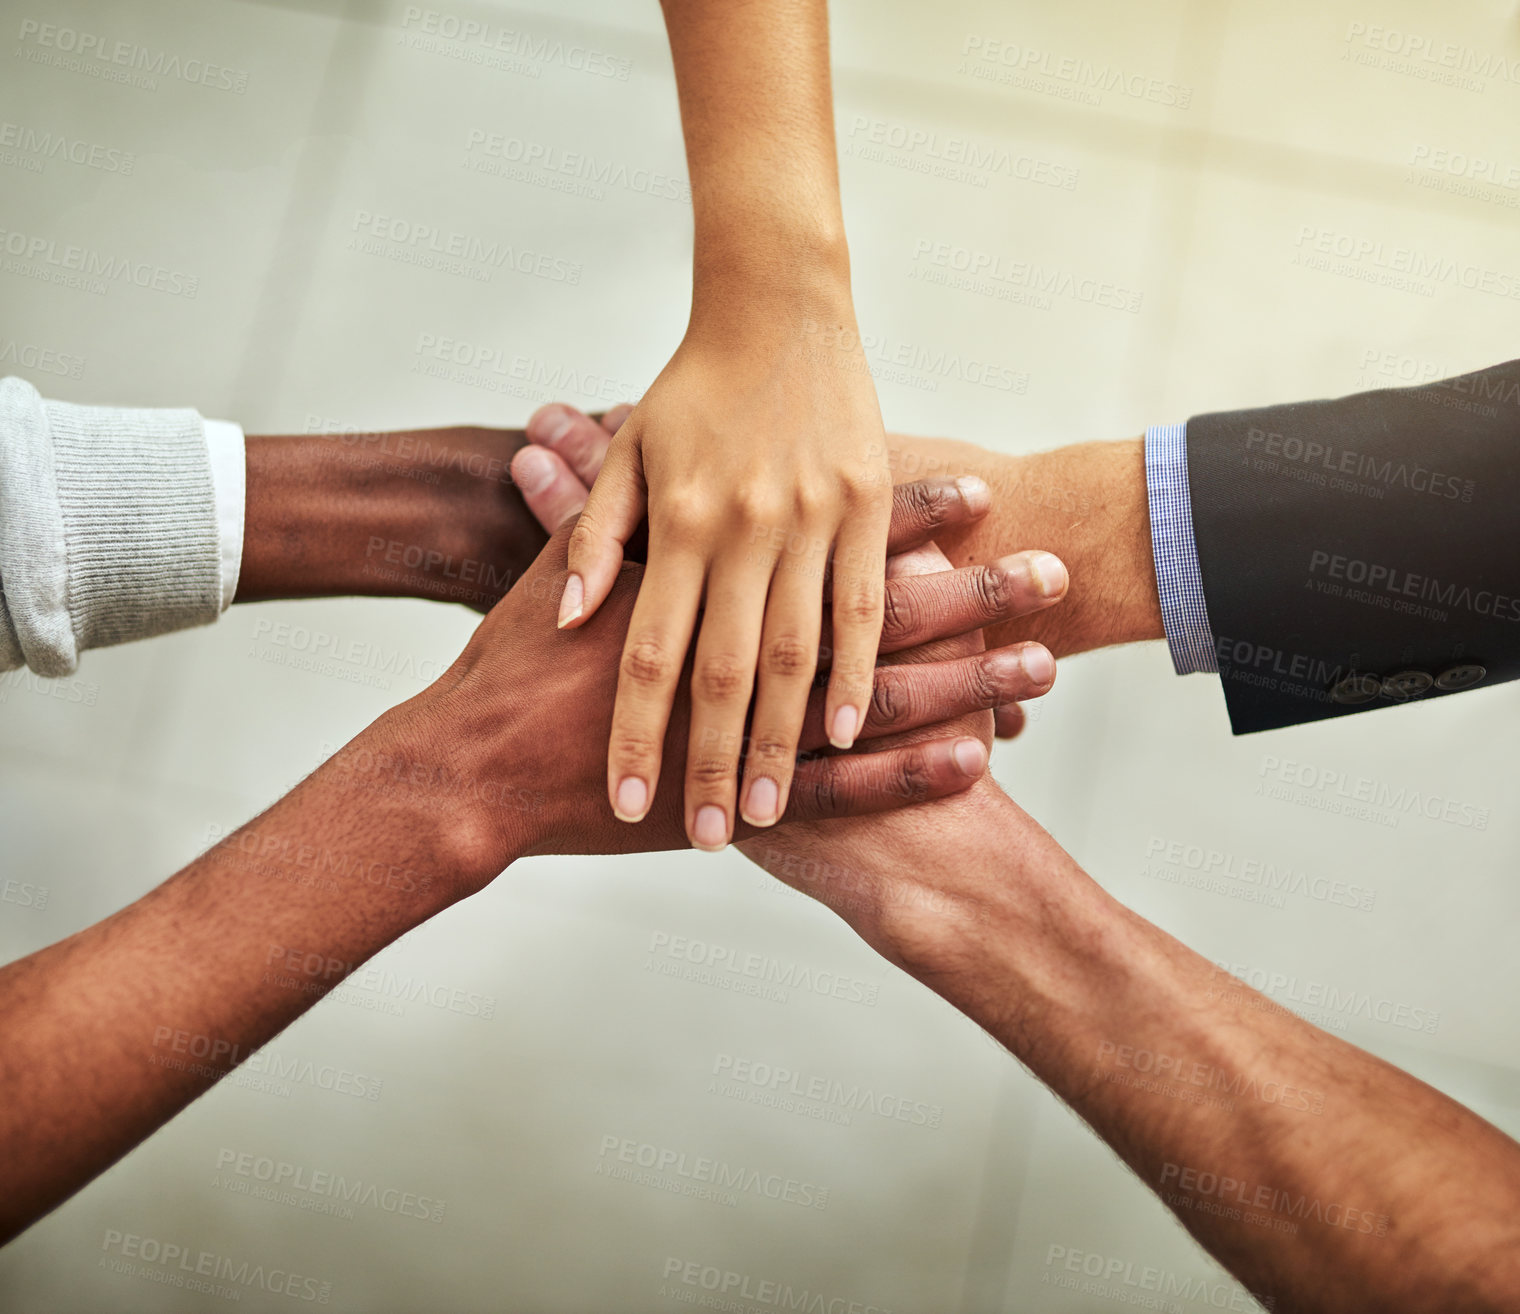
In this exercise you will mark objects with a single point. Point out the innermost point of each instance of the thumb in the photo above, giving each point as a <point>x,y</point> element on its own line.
<point>615,509</point>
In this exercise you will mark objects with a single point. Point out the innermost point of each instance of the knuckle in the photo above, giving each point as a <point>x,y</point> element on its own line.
<point>889,700</point>
<point>984,688</point>
<point>584,537</point>
<point>912,779</point>
<point>710,771</point>
<point>757,506</point>
<point>918,506</point>
<point>770,749</point>
<point>647,663</point>
<point>992,589</point>
<point>721,679</point>
<point>634,751</point>
<point>900,612</point>
<point>788,657</point>
<point>859,600</point>
<point>811,499</point>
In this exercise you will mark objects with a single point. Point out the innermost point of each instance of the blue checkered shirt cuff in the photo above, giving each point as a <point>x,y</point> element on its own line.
<point>1178,578</point>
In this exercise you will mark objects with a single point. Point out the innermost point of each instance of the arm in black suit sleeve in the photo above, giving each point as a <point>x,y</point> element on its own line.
<point>1361,552</point>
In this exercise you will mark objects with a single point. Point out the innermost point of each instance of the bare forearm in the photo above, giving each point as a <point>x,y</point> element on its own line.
<point>1318,1174</point>
<point>1085,503</point>
<point>757,112</point>
<point>426,513</point>
<point>105,1036</point>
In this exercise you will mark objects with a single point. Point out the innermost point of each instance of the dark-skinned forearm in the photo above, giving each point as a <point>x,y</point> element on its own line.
<point>1317,1173</point>
<point>108,1034</point>
<point>417,513</point>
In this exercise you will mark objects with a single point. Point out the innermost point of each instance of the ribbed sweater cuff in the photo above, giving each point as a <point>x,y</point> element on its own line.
<point>122,502</point>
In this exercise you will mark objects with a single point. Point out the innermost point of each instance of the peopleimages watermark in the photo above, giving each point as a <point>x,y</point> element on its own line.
<point>494,368</point>
<point>207,1055</point>
<point>692,1282</point>
<point>86,269</point>
<point>1402,268</point>
<point>24,894</point>
<point>750,972</point>
<point>1069,77</point>
<point>576,173</point>
<point>701,1176</point>
<point>427,246</point>
<point>827,1099</point>
<point>1258,1202</point>
<point>120,61</point>
<point>1318,1000</point>
<point>1445,63</point>
<point>896,361</point>
<point>317,1190</point>
<point>1346,462</point>
<point>1377,795</point>
<point>1399,585</point>
<point>1141,1067</point>
<point>953,158</point>
<point>1220,871</point>
<point>40,359</point>
<point>261,851</point>
<point>205,1271</point>
<point>475,41</point>
<point>1122,1279</point>
<point>33,149</point>
<point>314,973</point>
<point>321,652</point>
<point>1024,282</point>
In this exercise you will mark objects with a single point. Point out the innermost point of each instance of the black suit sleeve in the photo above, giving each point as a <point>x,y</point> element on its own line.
<point>1362,552</point>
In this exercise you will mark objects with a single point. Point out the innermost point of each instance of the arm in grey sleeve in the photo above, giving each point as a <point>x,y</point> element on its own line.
<point>115,525</point>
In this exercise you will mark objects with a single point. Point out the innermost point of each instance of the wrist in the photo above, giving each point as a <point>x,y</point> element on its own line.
<point>772,284</point>
<point>435,767</point>
<point>1087,504</point>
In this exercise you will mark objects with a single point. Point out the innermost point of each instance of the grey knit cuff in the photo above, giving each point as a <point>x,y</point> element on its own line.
<point>108,527</point>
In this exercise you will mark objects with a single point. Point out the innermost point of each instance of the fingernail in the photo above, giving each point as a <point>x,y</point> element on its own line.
<point>970,756</point>
<point>1038,665</point>
<point>1048,573</point>
<point>572,601</point>
<point>974,493</point>
<point>535,470</point>
<point>761,800</point>
<point>632,799</point>
<point>846,726</point>
<point>710,829</point>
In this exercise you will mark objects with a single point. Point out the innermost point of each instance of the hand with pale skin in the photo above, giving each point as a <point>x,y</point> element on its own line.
<point>557,471</point>
<point>757,457</point>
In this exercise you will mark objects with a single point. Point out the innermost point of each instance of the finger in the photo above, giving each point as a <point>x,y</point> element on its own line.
<point>854,784</point>
<point>722,679</point>
<point>548,485</point>
<point>860,564</point>
<point>910,697</point>
<point>950,602</point>
<point>612,420</point>
<point>614,510</point>
<point>659,633</point>
<point>1008,721</point>
<point>576,437</point>
<point>788,661</point>
<point>922,509</point>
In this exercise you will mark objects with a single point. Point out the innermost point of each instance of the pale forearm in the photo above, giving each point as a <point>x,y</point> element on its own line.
<point>1318,1174</point>
<point>1086,503</point>
<point>757,112</point>
<point>107,1035</point>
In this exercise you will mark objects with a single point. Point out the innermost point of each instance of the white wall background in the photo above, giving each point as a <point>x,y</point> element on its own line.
<point>1298,118</point>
